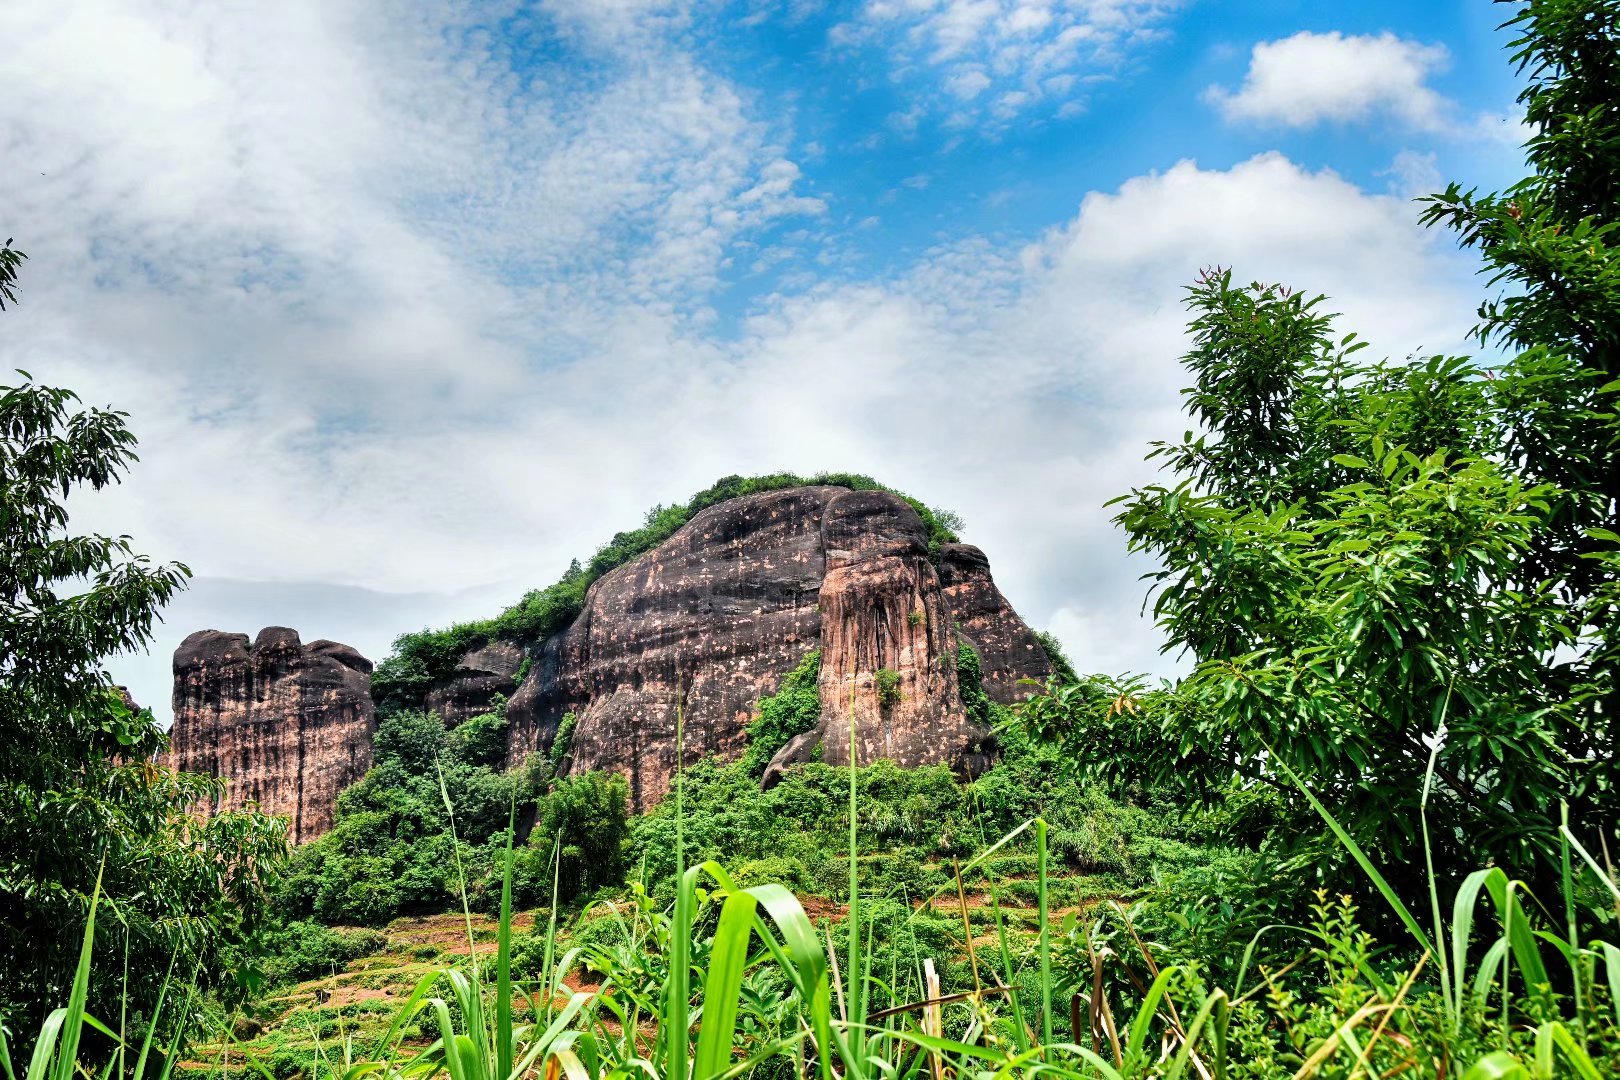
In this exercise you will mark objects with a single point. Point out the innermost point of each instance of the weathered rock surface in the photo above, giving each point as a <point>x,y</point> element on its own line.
<point>698,629</point>
<point>481,675</point>
<point>710,621</point>
<point>882,610</point>
<point>288,725</point>
<point>1008,649</point>
<point>802,749</point>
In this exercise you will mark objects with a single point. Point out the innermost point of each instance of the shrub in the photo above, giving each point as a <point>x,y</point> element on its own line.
<point>887,681</point>
<point>794,709</point>
<point>304,950</point>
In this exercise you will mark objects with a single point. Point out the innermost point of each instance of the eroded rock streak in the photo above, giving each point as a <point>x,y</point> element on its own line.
<point>710,621</point>
<point>288,725</point>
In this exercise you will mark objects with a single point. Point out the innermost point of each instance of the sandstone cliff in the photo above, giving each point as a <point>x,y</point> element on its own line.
<point>288,725</point>
<point>699,628</point>
<point>1008,649</point>
<point>712,619</point>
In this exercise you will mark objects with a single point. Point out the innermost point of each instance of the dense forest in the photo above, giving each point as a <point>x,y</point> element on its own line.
<point>1368,834</point>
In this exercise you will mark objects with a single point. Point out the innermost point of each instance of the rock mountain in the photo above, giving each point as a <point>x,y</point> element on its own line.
<point>694,631</point>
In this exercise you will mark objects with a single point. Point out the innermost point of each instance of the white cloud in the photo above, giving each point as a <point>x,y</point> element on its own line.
<point>394,323</point>
<point>1309,78</point>
<point>1413,174</point>
<point>1028,51</point>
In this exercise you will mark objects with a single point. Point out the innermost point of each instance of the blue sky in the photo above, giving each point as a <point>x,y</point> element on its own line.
<point>411,305</point>
<point>905,164</point>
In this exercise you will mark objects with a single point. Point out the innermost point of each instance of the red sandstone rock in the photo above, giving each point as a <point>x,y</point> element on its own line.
<point>1008,650</point>
<point>701,627</point>
<point>288,725</point>
<point>716,616</point>
<point>481,676</point>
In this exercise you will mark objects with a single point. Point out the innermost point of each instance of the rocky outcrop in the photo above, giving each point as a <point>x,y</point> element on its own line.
<point>1008,649</point>
<point>481,676</point>
<point>288,725</point>
<point>697,630</point>
<point>884,619</point>
<point>692,633</point>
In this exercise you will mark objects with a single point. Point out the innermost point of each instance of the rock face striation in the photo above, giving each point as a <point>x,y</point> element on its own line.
<point>287,725</point>
<point>1008,649</point>
<point>695,631</point>
<point>710,621</point>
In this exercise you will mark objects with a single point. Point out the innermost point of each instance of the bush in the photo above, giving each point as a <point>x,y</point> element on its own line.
<point>304,950</point>
<point>887,682</point>
<point>794,709</point>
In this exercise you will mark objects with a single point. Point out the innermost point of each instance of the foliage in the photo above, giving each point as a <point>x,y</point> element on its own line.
<point>912,821</point>
<point>1552,242</point>
<point>302,950</point>
<point>10,261</point>
<point>390,851</point>
<point>588,818</point>
<point>421,659</point>
<point>433,813</point>
<point>1345,565</point>
<point>1061,665</point>
<point>1087,995</point>
<point>887,683</point>
<point>81,800</point>
<point>970,684</point>
<point>480,740</point>
<point>794,709</point>
<point>1377,597</point>
<point>562,742</point>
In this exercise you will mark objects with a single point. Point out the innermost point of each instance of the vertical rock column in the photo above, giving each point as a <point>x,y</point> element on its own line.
<point>882,609</point>
<point>288,725</point>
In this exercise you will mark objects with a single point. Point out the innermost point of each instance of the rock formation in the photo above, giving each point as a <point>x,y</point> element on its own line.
<point>698,629</point>
<point>710,621</point>
<point>480,676</point>
<point>288,725</point>
<point>1008,650</point>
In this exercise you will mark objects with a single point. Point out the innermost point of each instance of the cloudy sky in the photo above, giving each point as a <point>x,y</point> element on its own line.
<point>411,303</point>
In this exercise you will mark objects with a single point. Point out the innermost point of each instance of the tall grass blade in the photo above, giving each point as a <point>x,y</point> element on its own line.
<point>1394,901</point>
<point>1521,939</point>
<point>503,960</point>
<point>1462,931</point>
<point>723,985</point>
<point>1046,930</point>
<point>1137,1039</point>
<point>853,969</point>
<point>675,1024</point>
<point>1611,965</point>
<point>72,1026</point>
<point>152,1024</point>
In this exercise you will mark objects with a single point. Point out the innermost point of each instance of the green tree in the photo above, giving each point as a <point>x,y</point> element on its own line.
<point>589,816</point>
<point>391,850</point>
<point>794,709</point>
<point>1551,242</point>
<point>80,795</point>
<point>1376,565</point>
<point>1349,584</point>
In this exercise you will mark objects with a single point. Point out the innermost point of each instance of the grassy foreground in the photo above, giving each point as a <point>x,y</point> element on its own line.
<point>723,981</point>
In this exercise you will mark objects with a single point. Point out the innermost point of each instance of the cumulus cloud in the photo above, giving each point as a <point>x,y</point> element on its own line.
<point>405,340</point>
<point>1309,78</point>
